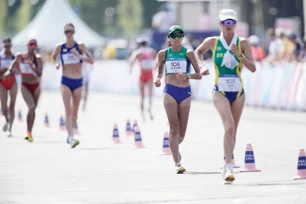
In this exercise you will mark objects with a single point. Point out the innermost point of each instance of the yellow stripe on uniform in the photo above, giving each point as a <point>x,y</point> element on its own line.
<point>239,70</point>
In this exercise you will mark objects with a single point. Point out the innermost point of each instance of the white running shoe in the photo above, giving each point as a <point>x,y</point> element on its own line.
<point>227,174</point>
<point>73,142</point>
<point>180,169</point>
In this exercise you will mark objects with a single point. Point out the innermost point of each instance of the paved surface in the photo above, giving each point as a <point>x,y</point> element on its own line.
<point>97,171</point>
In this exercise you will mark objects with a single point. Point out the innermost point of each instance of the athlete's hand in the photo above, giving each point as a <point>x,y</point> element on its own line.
<point>157,82</point>
<point>204,71</point>
<point>57,65</point>
<point>75,52</point>
<point>6,74</point>
<point>181,77</point>
<point>234,49</point>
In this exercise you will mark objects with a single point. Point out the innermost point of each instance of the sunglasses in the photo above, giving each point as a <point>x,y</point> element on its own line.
<point>176,35</point>
<point>7,45</point>
<point>69,31</point>
<point>229,22</point>
<point>32,44</point>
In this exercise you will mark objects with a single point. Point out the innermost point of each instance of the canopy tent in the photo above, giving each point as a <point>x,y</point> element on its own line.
<point>48,25</point>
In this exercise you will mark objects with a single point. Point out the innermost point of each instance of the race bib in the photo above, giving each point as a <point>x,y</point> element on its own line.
<point>5,63</point>
<point>229,83</point>
<point>26,69</point>
<point>69,58</point>
<point>176,66</point>
<point>147,64</point>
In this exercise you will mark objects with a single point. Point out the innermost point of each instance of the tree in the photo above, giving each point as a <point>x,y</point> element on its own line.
<point>130,16</point>
<point>23,15</point>
<point>3,9</point>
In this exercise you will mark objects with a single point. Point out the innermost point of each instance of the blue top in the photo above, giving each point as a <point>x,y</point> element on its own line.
<point>67,57</point>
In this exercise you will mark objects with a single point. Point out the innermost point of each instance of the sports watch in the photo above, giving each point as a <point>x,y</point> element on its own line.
<point>241,57</point>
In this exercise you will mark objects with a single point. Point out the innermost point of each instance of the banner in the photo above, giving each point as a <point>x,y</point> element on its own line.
<point>281,86</point>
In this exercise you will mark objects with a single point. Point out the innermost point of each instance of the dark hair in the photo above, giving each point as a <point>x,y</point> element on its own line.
<point>7,40</point>
<point>33,40</point>
<point>69,24</point>
<point>143,43</point>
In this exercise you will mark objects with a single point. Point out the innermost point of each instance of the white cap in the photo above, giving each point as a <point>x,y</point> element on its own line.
<point>254,40</point>
<point>227,14</point>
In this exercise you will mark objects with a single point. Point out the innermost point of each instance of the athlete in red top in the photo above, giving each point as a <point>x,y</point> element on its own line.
<point>146,58</point>
<point>30,67</point>
<point>7,85</point>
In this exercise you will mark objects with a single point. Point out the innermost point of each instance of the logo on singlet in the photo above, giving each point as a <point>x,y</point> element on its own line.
<point>65,50</point>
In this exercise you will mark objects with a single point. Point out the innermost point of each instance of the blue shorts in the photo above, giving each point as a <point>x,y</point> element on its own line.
<point>178,93</point>
<point>231,96</point>
<point>72,84</point>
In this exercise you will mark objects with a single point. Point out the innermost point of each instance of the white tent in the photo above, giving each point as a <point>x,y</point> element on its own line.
<point>48,27</point>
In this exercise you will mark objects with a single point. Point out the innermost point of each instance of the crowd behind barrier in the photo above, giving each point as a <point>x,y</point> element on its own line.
<point>281,86</point>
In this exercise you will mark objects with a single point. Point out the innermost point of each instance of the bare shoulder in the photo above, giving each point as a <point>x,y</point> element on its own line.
<point>19,54</point>
<point>208,43</point>
<point>244,41</point>
<point>210,40</point>
<point>81,43</point>
<point>162,52</point>
<point>189,52</point>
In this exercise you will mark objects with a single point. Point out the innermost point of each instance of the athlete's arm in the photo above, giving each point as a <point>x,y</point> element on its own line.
<point>207,44</point>
<point>160,67</point>
<point>247,60</point>
<point>192,59</point>
<point>54,55</point>
<point>12,69</point>
<point>89,59</point>
<point>133,58</point>
<point>38,70</point>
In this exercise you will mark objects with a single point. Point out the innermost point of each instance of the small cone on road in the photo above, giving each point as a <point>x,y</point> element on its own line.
<point>116,138</point>
<point>166,147</point>
<point>301,167</point>
<point>249,160</point>
<point>138,140</point>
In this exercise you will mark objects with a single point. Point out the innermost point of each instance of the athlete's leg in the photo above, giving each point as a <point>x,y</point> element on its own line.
<point>184,109</point>
<point>29,99</point>
<point>149,85</point>
<point>172,109</point>
<point>85,94</point>
<point>67,95</point>
<point>236,109</point>
<point>223,107</point>
<point>76,98</point>
<point>142,95</point>
<point>13,96</point>
<point>3,97</point>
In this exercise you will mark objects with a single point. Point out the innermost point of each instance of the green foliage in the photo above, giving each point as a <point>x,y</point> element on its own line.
<point>3,10</point>
<point>23,15</point>
<point>130,16</point>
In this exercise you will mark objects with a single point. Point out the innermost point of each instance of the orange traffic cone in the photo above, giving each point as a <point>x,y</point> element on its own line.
<point>166,148</point>
<point>138,140</point>
<point>76,128</point>
<point>46,120</point>
<point>62,123</point>
<point>301,167</point>
<point>128,129</point>
<point>19,116</point>
<point>134,126</point>
<point>249,160</point>
<point>116,138</point>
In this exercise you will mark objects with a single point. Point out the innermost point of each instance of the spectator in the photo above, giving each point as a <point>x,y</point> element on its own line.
<point>274,46</point>
<point>257,51</point>
<point>163,19</point>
